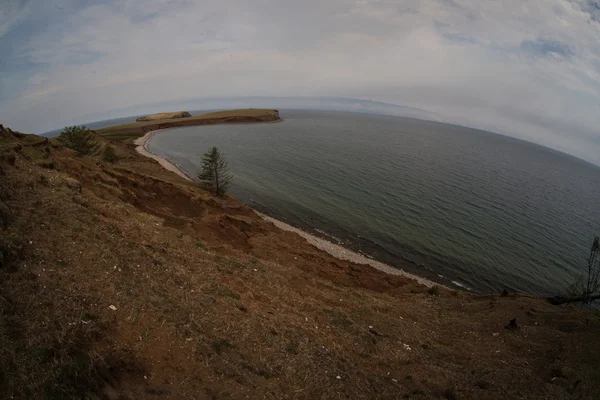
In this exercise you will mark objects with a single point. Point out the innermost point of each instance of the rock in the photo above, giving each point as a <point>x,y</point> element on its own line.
<point>483,384</point>
<point>512,324</point>
<point>4,215</point>
<point>416,392</point>
<point>79,200</point>
<point>9,159</point>
<point>560,372</point>
<point>450,394</point>
<point>568,328</point>
<point>73,184</point>
<point>504,293</point>
<point>48,164</point>
<point>110,393</point>
<point>158,391</point>
<point>243,308</point>
<point>112,307</point>
<point>374,332</point>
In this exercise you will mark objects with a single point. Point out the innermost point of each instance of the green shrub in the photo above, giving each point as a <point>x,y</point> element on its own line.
<point>80,139</point>
<point>434,290</point>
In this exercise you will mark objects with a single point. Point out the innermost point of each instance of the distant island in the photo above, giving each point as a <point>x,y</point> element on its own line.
<point>159,121</point>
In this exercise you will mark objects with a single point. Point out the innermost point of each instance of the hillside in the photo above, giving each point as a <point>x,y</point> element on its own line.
<point>125,281</point>
<point>134,130</point>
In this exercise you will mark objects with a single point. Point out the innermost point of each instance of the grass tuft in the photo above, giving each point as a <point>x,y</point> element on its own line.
<point>434,290</point>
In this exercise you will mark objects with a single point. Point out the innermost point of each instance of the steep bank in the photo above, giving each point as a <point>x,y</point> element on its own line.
<point>136,129</point>
<point>126,279</point>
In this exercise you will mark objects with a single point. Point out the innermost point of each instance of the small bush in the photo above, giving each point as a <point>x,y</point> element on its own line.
<point>224,291</point>
<point>434,290</point>
<point>5,215</point>
<point>11,251</point>
<point>80,139</point>
<point>109,155</point>
<point>576,288</point>
<point>219,346</point>
<point>47,164</point>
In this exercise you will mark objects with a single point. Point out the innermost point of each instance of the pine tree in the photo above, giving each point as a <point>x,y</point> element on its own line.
<point>80,139</point>
<point>215,171</point>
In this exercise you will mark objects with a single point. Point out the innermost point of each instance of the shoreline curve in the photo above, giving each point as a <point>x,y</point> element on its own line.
<point>331,248</point>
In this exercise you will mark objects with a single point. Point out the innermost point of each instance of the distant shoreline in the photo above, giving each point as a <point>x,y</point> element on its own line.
<point>141,127</point>
<point>333,249</point>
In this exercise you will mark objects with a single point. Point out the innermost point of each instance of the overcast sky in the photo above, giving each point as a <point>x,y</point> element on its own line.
<point>529,69</point>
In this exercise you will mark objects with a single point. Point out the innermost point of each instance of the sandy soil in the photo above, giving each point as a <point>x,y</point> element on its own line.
<point>333,249</point>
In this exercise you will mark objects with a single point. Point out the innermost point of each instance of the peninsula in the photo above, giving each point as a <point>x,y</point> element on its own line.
<point>172,115</point>
<point>143,125</point>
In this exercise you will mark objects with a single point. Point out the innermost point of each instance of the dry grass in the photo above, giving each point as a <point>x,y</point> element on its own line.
<point>213,302</point>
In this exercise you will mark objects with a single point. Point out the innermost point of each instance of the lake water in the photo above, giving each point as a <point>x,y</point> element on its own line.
<point>460,206</point>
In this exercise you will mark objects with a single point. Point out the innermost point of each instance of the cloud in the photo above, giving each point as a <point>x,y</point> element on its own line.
<point>591,7</point>
<point>544,47</point>
<point>530,69</point>
<point>12,13</point>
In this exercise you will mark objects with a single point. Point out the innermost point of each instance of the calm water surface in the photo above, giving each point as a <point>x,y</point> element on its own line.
<point>458,205</point>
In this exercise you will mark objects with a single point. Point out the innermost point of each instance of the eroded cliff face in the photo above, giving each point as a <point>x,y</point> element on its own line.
<point>123,280</point>
<point>172,115</point>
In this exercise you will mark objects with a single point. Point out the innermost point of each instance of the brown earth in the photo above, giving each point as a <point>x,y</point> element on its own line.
<point>125,281</point>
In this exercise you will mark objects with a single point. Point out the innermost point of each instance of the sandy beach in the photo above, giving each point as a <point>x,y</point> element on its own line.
<point>333,249</point>
<point>142,148</point>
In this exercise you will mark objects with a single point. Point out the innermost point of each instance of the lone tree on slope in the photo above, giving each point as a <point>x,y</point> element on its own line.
<point>80,139</point>
<point>215,171</point>
<point>586,290</point>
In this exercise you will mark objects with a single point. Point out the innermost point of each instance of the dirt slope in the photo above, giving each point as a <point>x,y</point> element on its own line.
<point>124,281</point>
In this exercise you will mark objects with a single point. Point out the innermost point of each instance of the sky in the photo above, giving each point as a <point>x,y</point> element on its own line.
<point>524,68</point>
